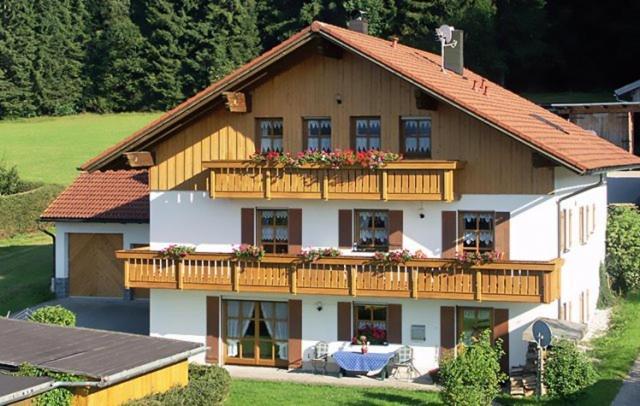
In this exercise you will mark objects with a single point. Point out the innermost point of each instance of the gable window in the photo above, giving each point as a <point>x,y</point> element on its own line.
<point>472,321</point>
<point>270,134</point>
<point>371,322</point>
<point>416,137</point>
<point>366,133</point>
<point>477,231</point>
<point>273,231</point>
<point>317,134</point>
<point>372,230</point>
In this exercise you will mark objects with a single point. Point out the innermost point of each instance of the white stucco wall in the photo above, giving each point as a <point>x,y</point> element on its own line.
<point>132,234</point>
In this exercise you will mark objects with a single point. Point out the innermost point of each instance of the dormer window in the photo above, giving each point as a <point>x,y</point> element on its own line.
<point>366,133</point>
<point>270,134</point>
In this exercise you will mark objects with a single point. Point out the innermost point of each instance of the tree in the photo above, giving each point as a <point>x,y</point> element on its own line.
<point>623,247</point>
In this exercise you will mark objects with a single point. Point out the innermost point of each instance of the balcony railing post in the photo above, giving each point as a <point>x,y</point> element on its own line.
<point>414,283</point>
<point>235,280</point>
<point>267,184</point>
<point>180,273</point>
<point>325,185</point>
<point>478,293</point>
<point>384,194</point>
<point>126,274</point>
<point>212,184</point>
<point>448,192</point>
<point>293,279</point>
<point>353,280</point>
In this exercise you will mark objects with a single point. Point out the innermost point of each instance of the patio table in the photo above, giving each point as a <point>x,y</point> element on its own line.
<point>369,363</point>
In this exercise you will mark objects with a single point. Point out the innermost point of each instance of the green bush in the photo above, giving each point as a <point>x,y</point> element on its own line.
<point>19,212</point>
<point>623,247</point>
<point>9,180</point>
<point>55,397</point>
<point>57,315</point>
<point>606,298</point>
<point>567,371</point>
<point>208,385</point>
<point>473,378</point>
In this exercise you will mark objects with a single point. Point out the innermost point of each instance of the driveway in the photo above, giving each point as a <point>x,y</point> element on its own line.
<point>128,316</point>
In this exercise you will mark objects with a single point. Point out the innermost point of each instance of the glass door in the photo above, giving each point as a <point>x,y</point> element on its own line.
<point>256,332</point>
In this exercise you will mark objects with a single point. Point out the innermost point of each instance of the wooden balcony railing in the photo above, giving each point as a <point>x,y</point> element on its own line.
<point>403,180</point>
<point>513,281</point>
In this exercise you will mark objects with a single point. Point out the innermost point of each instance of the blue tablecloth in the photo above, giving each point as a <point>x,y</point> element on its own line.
<point>358,362</point>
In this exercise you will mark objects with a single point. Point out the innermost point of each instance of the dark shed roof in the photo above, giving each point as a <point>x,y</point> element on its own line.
<point>10,385</point>
<point>91,353</point>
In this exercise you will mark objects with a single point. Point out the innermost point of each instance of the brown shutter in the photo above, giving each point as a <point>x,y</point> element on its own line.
<point>247,226</point>
<point>449,234</point>
<point>502,233</point>
<point>344,321</point>
<point>213,329</point>
<point>345,228</point>
<point>447,330</point>
<point>295,333</point>
<point>295,231</point>
<point>395,229</point>
<point>394,324</point>
<point>501,330</point>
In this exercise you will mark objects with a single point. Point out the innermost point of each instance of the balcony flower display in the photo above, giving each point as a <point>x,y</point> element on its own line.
<point>176,252</point>
<point>314,254</point>
<point>477,258</point>
<point>399,257</point>
<point>370,334</point>
<point>250,253</point>
<point>370,159</point>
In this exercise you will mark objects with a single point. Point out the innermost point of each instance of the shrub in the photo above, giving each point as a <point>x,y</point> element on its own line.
<point>623,247</point>
<point>473,377</point>
<point>9,180</point>
<point>57,315</point>
<point>606,298</point>
<point>208,385</point>
<point>19,213</point>
<point>55,397</point>
<point>567,370</point>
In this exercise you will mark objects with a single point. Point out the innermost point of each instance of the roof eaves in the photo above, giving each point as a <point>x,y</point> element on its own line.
<point>627,88</point>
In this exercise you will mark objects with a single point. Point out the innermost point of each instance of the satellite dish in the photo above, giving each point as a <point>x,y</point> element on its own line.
<point>445,32</point>
<point>542,333</point>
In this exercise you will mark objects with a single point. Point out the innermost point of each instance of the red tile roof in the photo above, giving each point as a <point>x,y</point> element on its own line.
<point>574,147</point>
<point>109,196</point>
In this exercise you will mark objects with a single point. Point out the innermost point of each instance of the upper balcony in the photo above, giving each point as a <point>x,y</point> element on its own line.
<point>510,281</point>
<point>403,180</point>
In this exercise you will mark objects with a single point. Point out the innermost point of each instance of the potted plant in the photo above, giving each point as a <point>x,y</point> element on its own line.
<point>176,252</point>
<point>398,257</point>
<point>370,159</point>
<point>467,259</point>
<point>314,254</point>
<point>249,253</point>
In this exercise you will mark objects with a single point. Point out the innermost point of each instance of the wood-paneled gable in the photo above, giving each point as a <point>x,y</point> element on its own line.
<point>310,88</point>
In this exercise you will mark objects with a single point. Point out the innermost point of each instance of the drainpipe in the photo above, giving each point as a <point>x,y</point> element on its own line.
<point>53,272</point>
<point>599,183</point>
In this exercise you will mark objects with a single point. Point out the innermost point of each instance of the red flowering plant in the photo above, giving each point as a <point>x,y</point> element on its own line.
<point>471,258</point>
<point>176,252</point>
<point>314,254</point>
<point>370,159</point>
<point>250,253</point>
<point>399,257</point>
<point>370,334</point>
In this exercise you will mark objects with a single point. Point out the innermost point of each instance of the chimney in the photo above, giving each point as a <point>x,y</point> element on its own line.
<point>359,23</point>
<point>453,56</point>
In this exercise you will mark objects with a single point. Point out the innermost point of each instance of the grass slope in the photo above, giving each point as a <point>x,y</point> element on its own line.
<point>25,271</point>
<point>249,392</point>
<point>49,149</point>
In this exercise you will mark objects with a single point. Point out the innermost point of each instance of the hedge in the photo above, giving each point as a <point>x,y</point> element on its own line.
<point>19,213</point>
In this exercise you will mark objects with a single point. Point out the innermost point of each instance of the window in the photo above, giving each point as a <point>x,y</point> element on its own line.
<point>317,134</point>
<point>477,231</point>
<point>472,321</point>
<point>270,134</point>
<point>371,321</point>
<point>273,231</point>
<point>416,137</point>
<point>372,230</point>
<point>366,133</point>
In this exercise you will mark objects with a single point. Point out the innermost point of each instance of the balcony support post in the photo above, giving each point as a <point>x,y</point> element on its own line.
<point>180,273</point>
<point>414,283</point>
<point>212,184</point>
<point>267,184</point>
<point>353,280</point>
<point>325,185</point>
<point>126,274</point>
<point>235,285</point>
<point>293,279</point>
<point>478,285</point>
<point>448,193</point>
<point>384,194</point>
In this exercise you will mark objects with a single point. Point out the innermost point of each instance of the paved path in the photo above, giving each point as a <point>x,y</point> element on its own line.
<point>629,394</point>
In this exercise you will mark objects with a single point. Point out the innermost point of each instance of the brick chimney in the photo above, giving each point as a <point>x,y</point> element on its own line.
<point>359,24</point>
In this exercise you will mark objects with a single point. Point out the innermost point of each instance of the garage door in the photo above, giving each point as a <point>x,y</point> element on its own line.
<point>93,267</point>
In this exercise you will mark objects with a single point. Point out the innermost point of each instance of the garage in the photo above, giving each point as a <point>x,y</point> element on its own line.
<point>93,267</point>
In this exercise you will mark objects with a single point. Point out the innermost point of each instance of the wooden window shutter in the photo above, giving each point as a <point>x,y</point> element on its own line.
<point>570,230</point>
<point>213,329</point>
<point>563,231</point>
<point>295,231</point>
<point>447,330</point>
<point>394,324</point>
<point>593,218</point>
<point>247,226</point>
<point>295,333</point>
<point>501,330</point>
<point>395,229</point>
<point>345,229</point>
<point>581,225</point>
<point>344,321</point>
<point>502,233</point>
<point>449,234</point>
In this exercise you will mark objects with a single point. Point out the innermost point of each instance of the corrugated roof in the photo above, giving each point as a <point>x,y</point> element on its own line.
<point>517,117</point>
<point>11,384</point>
<point>90,353</point>
<point>109,196</point>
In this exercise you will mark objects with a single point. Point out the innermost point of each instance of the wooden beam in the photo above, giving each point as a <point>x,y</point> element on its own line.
<point>139,159</point>
<point>236,102</point>
<point>425,102</point>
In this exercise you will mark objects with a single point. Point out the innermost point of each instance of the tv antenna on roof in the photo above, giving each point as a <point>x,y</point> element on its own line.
<point>445,36</point>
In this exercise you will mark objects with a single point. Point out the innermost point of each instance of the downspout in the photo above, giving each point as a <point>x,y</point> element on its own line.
<point>599,183</point>
<point>53,268</point>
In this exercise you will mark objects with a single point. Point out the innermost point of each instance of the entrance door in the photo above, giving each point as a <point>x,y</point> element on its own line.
<point>256,332</point>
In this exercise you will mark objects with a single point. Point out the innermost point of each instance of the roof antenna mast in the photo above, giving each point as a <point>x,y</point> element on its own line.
<point>445,36</point>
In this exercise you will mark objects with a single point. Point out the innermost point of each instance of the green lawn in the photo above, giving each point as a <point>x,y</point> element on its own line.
<point>25,271</point>
<point>49,149</point>
<point>248,392</point>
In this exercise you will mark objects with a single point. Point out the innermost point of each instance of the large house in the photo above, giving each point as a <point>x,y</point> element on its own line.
<point>500,204</point>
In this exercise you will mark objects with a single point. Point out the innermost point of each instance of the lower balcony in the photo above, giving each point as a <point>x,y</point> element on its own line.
<point>512,281</point>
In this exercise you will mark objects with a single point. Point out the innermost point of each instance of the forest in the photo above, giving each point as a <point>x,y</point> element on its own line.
<point>62,57</point>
